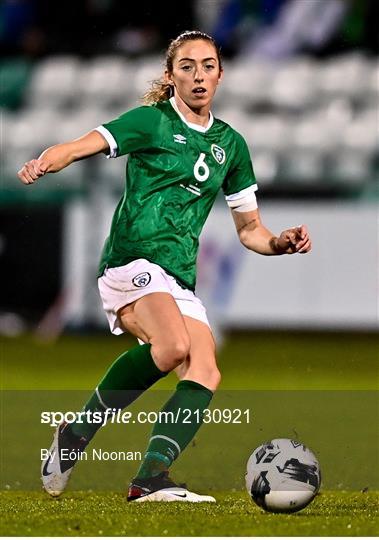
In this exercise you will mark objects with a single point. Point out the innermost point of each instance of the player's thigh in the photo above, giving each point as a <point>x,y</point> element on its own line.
<point>201,364</point>
<point>156,319</point>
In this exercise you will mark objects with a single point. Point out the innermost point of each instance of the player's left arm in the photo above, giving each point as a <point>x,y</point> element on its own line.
<point>256,237</point>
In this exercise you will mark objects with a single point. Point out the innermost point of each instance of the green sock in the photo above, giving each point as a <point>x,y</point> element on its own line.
<point>127,378</point>
<point>170,438</point>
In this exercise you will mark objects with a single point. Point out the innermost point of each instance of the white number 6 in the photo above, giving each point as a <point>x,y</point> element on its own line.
<point>200,165</point>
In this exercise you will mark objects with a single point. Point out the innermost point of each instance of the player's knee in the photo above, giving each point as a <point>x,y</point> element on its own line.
<point>208,377</point>
<point>214,379</point>
<point>171,354</point>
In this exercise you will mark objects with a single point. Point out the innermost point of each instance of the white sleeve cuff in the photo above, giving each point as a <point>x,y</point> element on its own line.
<point>243,201</point>
<point>110,140</point>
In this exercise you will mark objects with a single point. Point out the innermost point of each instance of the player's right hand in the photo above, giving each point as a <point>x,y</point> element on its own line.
<point>31,171</point>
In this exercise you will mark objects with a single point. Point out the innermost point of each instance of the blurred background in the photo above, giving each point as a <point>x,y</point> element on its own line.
<point>301,85</point>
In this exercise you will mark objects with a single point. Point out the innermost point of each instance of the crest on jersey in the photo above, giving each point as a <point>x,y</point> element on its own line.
<point>218,153</point>
<point>142,280</point>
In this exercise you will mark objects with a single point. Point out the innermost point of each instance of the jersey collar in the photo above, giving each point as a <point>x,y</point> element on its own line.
<point>196,127</point>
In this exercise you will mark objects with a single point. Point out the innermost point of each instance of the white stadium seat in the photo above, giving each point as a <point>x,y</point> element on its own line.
<point>317,132</point>
<point>248,82</point>
<point>34,130</point>
<point>266,166</point>
<point>347,75</point>
<point>350,167</point>
<point>105,81</point>
<point>269,132</point>
<point>76,124</point>
<point>55,82</point>
<point>303,120</point>
<point>294,85</point>
<point>374,82</point>
<point>363,133</point>
<point>304,166</point>
<point>235,118</point>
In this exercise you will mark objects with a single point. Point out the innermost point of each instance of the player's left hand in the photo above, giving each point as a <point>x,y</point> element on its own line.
<point>295,240</point>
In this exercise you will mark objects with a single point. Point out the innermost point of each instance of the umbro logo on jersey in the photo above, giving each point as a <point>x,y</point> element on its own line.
<point>180,138</point>
<point>218,153</point>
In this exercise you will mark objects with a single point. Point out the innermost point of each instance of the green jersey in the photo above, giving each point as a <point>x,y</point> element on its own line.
<point>173,174</point>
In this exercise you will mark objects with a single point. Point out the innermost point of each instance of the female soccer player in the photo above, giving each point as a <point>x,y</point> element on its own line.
<point>179,158</point>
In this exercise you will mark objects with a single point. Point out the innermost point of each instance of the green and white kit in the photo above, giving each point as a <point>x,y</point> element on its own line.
<point>125,284</point>
<point>173,174</point>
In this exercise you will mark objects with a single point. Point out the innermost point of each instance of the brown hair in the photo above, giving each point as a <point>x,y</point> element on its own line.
<point>161,90</point>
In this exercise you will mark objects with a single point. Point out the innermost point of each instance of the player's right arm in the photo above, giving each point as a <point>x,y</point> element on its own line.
<point>59,156</point>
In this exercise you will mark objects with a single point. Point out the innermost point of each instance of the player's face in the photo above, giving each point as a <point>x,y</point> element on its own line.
<point>196,73</point>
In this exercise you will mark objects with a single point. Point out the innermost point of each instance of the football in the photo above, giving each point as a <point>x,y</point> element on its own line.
<point>282,476</point>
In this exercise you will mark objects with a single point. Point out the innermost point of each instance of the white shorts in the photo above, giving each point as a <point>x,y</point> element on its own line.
<point>123,285</point>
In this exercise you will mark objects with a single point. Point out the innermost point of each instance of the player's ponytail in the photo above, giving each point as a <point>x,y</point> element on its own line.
<point>160,89</point>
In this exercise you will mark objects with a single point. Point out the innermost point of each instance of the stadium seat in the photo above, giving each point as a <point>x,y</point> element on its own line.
<point>294,85</point>
<point>351,168</point>
<point>347,76</point>
<point>7,119</point>
<point>234,117</point>
<point>78,123</point>
<point>266,166</point>
<point>363,133</point>
<point>269,132</point>
<point>303,166</point>
<point>32,131</point>
<point>105,81</point>
<point>317,132</point>
<point>54,82</point>
<point>247,83</point>
<point>338,111</point>
<point>314,139</point>
<point>303,120</point>
<point>354,163</point>
<point>374,83</point>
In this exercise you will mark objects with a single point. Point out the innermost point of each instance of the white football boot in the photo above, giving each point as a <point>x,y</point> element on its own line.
<point>162,489</point>
<point>63,454</point>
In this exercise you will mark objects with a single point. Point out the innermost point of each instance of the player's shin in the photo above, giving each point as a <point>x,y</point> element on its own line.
<point>128,377</point>
<point>181,419</point>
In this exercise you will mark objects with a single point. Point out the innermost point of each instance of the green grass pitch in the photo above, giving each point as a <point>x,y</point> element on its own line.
<point>320,388</point>
<point>106,514</point>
